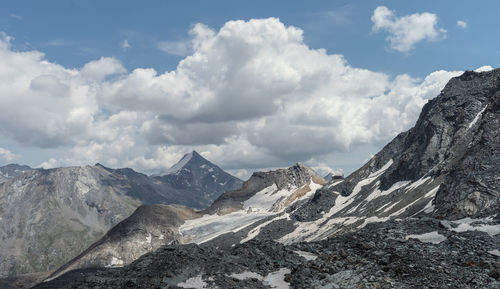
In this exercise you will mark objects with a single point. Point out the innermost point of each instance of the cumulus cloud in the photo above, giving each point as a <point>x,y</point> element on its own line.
<point>462,24</point>
<point>406,31</point>
<point>250,95</point>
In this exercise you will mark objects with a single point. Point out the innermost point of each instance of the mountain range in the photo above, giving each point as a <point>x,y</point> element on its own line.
<point>421,213</point>
<point>49,216</point>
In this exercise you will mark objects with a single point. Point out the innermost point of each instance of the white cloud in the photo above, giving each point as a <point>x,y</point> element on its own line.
<point>7,155</point>
<point>484,68</point>
<point>406,31</point>
<point>99,69</point>
<point>462,24</point>
<point>49,164</point>
<point>125,44</point>
<point>251,95</point>
<point>179,48</point>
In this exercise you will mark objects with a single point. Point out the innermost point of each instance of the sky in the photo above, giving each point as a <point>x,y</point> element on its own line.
<point>249,85</point>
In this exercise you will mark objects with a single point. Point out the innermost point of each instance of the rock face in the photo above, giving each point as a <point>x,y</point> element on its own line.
<point>47,217</point>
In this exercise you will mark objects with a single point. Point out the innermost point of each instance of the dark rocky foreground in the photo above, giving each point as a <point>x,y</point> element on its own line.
<point>381,255</point>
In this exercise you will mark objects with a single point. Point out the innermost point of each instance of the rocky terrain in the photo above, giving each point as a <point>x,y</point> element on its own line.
<point>47,217</point>
<point>422,213</point>
<point>263,198</point>
<point>416,253</point>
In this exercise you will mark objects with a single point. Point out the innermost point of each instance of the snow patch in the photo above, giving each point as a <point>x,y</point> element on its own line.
<point>378,193</point>
<point>495,252</point>
<point>429,208</point>
<point>208,227</point>
<point>264,199</point>
<point>277,279</point>
<point>478,115</point>
<point>468,224</point>
<point>431,237</point>
<point>419,182</point>
<point>381,170</point>
<point>115,262</point>
<point>247,275</point>
<point>193,282</point>
<point>308,256</point>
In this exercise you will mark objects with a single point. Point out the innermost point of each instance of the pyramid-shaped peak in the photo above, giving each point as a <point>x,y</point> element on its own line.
<point>192,158</point>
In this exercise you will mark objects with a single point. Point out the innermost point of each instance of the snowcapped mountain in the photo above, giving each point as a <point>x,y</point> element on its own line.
<point>430,194</point>
<point>47,217</point>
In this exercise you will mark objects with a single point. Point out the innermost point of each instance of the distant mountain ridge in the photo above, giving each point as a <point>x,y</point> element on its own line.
<point>10,171</point>
<point>49,216</point>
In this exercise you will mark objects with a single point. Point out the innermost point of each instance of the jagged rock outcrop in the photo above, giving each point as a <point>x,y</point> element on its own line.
<point>296,176</point>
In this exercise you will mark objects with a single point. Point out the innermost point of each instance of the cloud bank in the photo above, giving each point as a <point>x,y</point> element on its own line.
<point>251,95</point>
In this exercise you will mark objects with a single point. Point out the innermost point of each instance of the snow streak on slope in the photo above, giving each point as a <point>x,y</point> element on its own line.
<point>367,204</point>
<point>266,203</point>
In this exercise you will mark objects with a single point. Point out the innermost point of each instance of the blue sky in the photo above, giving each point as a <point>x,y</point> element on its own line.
<point>159,34</point>
<point>72,33</point>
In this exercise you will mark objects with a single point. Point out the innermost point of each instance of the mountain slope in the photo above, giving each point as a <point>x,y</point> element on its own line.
<point>265,197</point>
<point>48,217</point>
<point>445,166</point>
<point>147,229</point>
